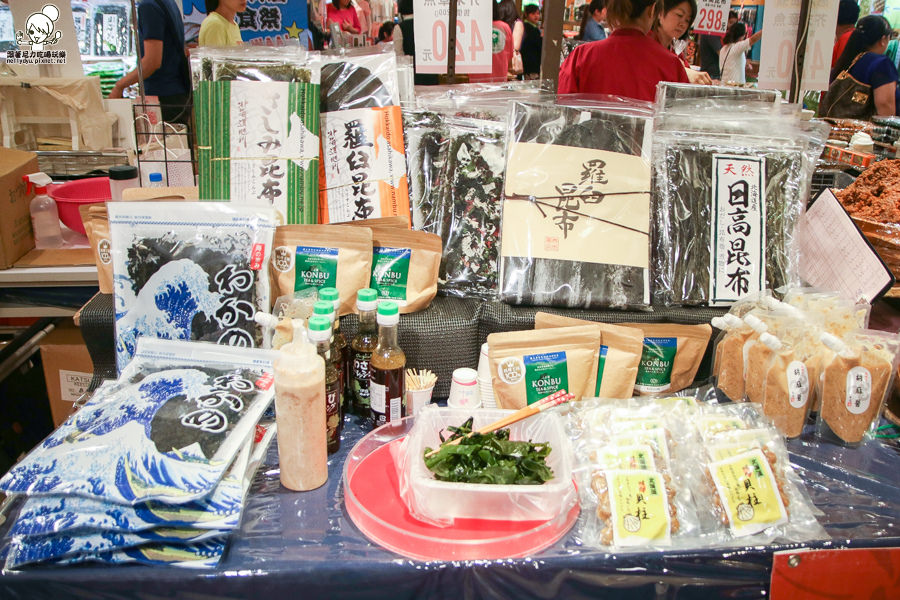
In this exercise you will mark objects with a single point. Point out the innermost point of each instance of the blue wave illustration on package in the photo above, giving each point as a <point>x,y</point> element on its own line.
<point>189,272</point>
<point>168,435</point>
<point>206,554</point>
<point>42,515</point>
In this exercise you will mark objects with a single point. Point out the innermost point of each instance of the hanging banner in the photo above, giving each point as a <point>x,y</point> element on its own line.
<point>474,36</point>
<point>712,17</point>
<point>779,44</point>
<point>264,22</point>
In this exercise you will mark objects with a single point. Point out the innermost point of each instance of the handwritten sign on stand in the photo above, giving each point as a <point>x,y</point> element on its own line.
<point>474,36</point>
<point>778,56</point>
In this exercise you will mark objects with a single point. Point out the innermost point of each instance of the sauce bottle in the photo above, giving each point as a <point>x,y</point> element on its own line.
<point>387,372</point>
<point>331,294</point>
<point>44,212</point>
<point>300,414</point>
<point>361,349</point>
<point>319,332</point>
<point>323,308</point>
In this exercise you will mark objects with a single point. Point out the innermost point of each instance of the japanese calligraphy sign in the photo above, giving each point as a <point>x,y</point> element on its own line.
<point>749,493</point>
<point>265,22</point>
<point>859,390</point>
<point>779,44</point>
<point>712,16</point>
<point>474,36</point>
<point>640,510</point>
<point>737,228</point>
<point>363,173</point>
<point>576,204</point>
<point>265,146</point>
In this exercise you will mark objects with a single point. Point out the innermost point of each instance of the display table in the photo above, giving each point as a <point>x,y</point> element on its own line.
<point>303,545</point>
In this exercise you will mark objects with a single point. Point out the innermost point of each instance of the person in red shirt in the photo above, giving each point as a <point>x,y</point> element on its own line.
<point>501,51</point>
<point>343,13</point>
<point>848,13</point>
<point>627,63</point>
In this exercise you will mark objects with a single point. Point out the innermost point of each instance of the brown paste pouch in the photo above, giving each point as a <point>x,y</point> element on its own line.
<point>527,366</point>
<point>309,257</point>
<point>405,267</point>
<point>618,359</point>
<point>671,355</point>
<point>786,390</point>
<point>728,366</point>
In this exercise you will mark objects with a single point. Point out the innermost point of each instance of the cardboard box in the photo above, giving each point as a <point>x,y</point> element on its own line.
<point>16,237</point>
<point>68,369</point>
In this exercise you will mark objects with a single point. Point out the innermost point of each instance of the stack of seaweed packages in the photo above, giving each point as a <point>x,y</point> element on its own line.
<point>154,469</point>
<point>456,156</point>
<point>731,180</point>
<point>257,118</point>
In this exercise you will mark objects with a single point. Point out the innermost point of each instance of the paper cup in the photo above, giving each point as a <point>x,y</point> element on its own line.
<point>484,363</point>
<point>464,389</point>
<point>486,392</point>
<point>416,399</point>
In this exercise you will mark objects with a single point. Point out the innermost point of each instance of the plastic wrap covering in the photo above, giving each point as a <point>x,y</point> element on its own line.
<point>290,541</point>
<point>425,133</point>
<point>442,502</point>
<point>576,213</point>
<point>667,92</point>
<point>729,191</point>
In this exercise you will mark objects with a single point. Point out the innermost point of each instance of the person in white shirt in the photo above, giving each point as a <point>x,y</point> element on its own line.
<point>733,55</point>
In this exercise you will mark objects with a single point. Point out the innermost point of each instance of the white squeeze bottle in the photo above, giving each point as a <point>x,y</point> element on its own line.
<point>44,214</point>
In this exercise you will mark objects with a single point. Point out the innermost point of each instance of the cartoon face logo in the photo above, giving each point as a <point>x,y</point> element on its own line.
<point>39,29</point>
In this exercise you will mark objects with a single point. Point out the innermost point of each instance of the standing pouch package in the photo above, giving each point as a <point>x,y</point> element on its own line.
<point>786,391</point>
<point>189,271</point>
<point>96,226</point>
<point>405,267</point>
<point>309,257</point>
<point>671,356</point>
<point>618,360</point>
<point>728,364</point>
<point>527,366</point>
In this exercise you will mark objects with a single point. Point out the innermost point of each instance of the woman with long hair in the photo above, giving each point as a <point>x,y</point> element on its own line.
<point>509,14</point>
<point>627,63</point>
<point>733,55</point>
<point>673,22</point>
<point>591,29</point>
<point>344,14</point>
<point>863,57</point>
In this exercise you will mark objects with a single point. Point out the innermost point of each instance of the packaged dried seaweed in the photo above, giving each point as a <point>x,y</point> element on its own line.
<point>668,92</point>
<point>363,170</point>
<point>576,222</point>
<point>189,271</point>
<point>729,191</point>
<point>426,134</point>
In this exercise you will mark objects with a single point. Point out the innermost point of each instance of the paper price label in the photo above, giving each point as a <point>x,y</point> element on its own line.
<point>474,36</point>
<point>712,17</point>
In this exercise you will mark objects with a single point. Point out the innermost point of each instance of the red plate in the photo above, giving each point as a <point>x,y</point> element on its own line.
<point>373,501</point>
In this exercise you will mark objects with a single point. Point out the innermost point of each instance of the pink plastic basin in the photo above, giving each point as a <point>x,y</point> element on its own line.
<point>69,196</point>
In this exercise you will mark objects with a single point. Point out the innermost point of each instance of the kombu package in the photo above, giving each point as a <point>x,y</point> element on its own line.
<point>576,212</point>
<point>363,169</point>
<point>189,271</point>
<point>167,431</point>
<point>669,93</point>
<point>426,138</point>
<point>729,191</point>
<point>258,129</point>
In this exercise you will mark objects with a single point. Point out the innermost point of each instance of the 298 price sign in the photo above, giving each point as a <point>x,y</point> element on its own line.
<point>474,37</point>
<point>712,16</point>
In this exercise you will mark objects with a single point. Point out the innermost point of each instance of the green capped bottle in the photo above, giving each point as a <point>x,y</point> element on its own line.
<point>331,294</point>
<point>387,367</point>
<point>319,333</point>
<point>361,348</point>
<point>324,308</point>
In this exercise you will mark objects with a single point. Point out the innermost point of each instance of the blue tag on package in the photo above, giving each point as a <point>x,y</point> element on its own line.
<point>161,457</point>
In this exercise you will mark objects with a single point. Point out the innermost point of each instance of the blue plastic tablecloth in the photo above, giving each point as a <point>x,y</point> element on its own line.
<point>303,545</point>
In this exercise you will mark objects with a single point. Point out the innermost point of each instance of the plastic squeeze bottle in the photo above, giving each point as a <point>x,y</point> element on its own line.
<point>362,346</point>
<point>44,213</point>
<point>331,294</point>
<point>300,415</point>
<point>387,372</point>
<point>319,333</point>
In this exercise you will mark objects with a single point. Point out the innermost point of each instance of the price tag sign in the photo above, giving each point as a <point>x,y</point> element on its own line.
<point>779,43</point>
<point>712,17</point>
<point>474,37</point>
<point>819,43</point>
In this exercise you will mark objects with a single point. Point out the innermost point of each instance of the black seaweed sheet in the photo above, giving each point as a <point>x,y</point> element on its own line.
<point>547,282</point>
<point>425,134</point>
<point>347,85</point>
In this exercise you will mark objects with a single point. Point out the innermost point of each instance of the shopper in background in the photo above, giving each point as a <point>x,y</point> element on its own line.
<point>501,50</point>
<point>709,46</point>
<point>386,32</point>
<point>219,27</point>
<point>509,14</point>
<point>864,59</point>
<point>672,22</point>
<point>344,14</point>
<point>592,22</point>
<point>848,14</point>
<point>532,43</point>
<point>733,55</point>
<point>627,63</point>
<point>163,61</point>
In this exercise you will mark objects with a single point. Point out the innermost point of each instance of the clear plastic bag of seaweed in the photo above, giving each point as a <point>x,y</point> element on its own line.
<point>729,191</point>
<point>576,210</point>
<point>426,136</point>
<point>667,92</point>
<point>168,433</point>
<point>251,63</point>
<point>189,271</point>
<point>359,78</point>
<point>467,203</point>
